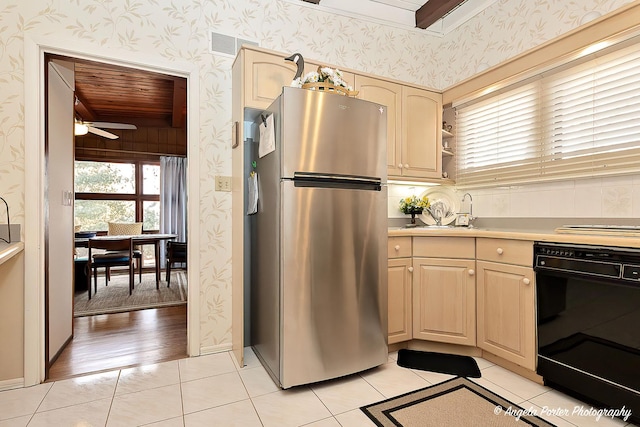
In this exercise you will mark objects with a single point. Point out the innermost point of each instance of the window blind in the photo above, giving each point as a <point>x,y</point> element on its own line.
<point>578,122</point>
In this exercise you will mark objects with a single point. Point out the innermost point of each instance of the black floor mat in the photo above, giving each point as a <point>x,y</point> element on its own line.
<point>453,364</point>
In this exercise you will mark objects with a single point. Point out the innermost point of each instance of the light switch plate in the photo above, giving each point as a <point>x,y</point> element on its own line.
<point>223,183</point>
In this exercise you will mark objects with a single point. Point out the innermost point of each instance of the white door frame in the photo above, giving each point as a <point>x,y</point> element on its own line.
<point>35,48</point>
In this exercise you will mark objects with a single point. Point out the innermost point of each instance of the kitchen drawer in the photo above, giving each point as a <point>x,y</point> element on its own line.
<point>398,247</point>
<point>519,252</point>
<point>444,247</point>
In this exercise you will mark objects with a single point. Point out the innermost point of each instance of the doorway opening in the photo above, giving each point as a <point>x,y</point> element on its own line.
<point>131,121</point>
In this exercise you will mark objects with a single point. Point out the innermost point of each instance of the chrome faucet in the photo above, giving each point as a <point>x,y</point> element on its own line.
<point>437,212</point>
<point>471,217</point>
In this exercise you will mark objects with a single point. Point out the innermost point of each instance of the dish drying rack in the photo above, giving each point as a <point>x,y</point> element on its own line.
<point>8,223</point>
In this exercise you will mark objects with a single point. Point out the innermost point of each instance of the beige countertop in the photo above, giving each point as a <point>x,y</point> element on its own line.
<point>9,250</point>
<point>533,235</point>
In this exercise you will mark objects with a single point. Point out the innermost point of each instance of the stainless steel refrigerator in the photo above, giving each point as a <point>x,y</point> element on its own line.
<point>319,239</point>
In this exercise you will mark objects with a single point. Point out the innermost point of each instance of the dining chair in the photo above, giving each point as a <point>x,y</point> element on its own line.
<point>176,253</point>
<point>115,252</point>
<point>128,229</point>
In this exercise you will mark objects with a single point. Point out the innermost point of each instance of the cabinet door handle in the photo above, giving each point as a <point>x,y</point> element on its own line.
<point>471,272</point>
<point>410,269</point>
<point>400,165</point>
<point>500,251</point>
<point>526,281</point>
<point>406,165</point>
<point>234,135</point>
<point>396,247</point>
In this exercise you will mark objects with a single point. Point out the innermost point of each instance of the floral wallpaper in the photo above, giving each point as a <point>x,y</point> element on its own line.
<point>508,28</point>
<point>606,197</point>
<point>178,30</point>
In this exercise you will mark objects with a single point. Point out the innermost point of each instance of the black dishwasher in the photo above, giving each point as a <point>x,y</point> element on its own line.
<point>588,319</point>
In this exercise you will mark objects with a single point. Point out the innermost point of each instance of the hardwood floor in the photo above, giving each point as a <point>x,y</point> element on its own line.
<point>114,341</point>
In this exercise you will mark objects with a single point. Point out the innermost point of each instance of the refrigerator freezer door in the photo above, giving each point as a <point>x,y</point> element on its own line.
<point>334,282</point>
<point>328,133</point>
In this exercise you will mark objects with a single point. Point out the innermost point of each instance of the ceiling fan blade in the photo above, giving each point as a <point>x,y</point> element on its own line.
<point>108,125</point>
<point>102,133</point>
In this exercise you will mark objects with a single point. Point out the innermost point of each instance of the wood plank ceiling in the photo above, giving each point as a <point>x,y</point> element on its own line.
<point>428,13</point>
<point>155,103</point>
<point>109,93</point>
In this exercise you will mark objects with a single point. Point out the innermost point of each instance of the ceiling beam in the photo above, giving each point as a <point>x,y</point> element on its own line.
<point>140,122</point>
<point>179,103</point>
<point>83,110</point>
<point>433,10</point>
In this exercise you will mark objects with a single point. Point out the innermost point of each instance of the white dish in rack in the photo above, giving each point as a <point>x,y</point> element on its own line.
<point>448,198</point>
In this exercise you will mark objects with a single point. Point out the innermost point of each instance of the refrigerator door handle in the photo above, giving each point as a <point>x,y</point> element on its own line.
<point>308,179</point>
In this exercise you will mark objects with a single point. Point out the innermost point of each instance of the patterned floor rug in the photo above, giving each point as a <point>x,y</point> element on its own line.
<point>455,403</point>
<point>115,297</point>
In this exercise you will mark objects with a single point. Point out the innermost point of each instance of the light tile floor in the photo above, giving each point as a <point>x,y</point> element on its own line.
<point>213,391</point>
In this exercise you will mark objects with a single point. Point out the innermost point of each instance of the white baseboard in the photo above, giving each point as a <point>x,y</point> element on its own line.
<point>215,349</point>
<point>11,384</point>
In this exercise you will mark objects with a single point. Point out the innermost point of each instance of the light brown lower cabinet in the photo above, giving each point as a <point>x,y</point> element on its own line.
<point>506,312</point>
<point>444,300</point>
<point>440,291</point>
<point>399,288</point>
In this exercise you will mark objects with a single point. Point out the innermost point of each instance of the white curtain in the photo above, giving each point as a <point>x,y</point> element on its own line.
<point>173,199</point>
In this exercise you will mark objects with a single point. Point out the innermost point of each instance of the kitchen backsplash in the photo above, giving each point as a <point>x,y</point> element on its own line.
<point>611,197</point>
<point>397,192</point>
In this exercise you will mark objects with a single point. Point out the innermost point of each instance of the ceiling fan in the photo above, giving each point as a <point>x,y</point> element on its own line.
<point>82,127</point>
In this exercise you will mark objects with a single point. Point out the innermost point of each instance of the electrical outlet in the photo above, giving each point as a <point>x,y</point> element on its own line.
<point>223,183</point>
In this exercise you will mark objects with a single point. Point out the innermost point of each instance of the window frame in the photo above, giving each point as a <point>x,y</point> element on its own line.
<point>138,197</point>
<point>550,145</point>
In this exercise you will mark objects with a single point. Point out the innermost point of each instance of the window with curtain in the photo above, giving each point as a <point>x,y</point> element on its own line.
<point>580,121</point>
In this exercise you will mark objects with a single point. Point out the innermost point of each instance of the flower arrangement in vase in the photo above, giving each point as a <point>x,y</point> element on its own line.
<point>414,205</point>
<point>326,79</point>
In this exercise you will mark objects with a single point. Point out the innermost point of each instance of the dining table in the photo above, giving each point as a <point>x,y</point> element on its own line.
<point>138,240</point>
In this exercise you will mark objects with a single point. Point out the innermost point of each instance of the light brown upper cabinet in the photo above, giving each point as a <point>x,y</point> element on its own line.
<point>414,115</point>
<point>265,74</point>
<point>389,94</point>
<point>414,119</point>
<point>421,134</point>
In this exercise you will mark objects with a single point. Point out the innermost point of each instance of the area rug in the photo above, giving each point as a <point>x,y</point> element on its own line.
<point>115,297</point>
<point>458,402</point>
<point>453,364</point>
